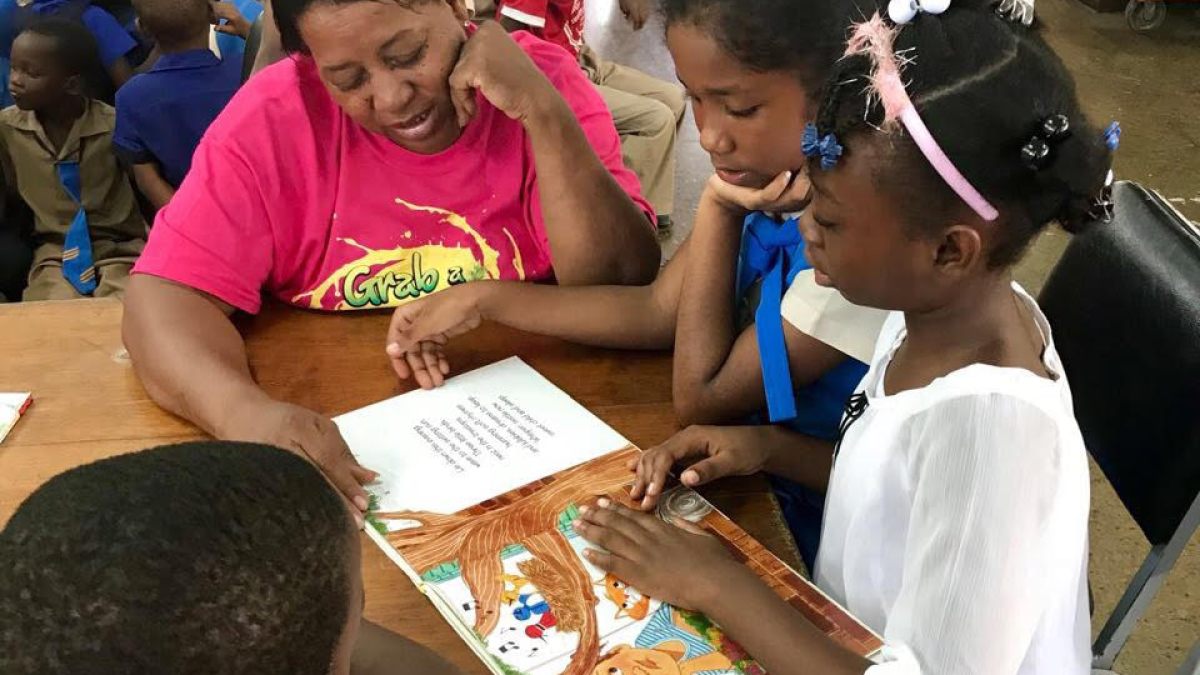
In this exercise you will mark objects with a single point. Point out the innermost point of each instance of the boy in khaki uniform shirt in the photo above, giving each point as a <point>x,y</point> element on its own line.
<point>53,125</point>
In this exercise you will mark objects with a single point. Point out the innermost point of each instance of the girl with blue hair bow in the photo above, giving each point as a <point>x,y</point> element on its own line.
<point>753,333</point>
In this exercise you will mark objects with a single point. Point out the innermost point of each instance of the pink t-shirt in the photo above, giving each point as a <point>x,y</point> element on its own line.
<point>286,194</point>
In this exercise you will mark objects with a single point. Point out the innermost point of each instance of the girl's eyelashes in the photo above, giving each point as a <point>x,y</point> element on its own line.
<point>822,222</point>
<point>743,112</point>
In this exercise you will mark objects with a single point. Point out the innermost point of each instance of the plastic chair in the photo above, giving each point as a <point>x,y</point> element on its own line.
<point>1124,304</point>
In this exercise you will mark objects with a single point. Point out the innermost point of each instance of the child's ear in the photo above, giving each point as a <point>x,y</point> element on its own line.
<point>959,250</point>
<point>74,85</point>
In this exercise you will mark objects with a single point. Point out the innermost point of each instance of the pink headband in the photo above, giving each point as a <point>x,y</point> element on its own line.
<point>875,38</point>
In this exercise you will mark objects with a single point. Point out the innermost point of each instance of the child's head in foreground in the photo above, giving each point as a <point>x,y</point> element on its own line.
<point>885,227</point>
<point>174,24</point>
<point>754,70</point>
<point>50,61</point>
<point>206,557</point>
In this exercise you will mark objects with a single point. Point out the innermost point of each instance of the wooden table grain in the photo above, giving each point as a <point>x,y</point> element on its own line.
<point>88,405</point>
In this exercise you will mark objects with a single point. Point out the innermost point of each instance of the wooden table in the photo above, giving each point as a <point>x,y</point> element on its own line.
<point>88,404</point>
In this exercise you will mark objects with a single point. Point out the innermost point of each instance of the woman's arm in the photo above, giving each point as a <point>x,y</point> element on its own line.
<point>597,234</point>
<point>192,361</point>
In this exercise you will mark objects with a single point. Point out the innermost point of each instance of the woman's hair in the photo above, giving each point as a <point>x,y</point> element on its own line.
<point>288,13</point>
<point>985,87</point>
<point>802,36</point>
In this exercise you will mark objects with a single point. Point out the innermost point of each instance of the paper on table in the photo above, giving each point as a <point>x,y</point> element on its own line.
<point>485,432</point>
<point>12,406</point>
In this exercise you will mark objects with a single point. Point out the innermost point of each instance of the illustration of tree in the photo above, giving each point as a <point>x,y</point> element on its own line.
<point>528,516</point>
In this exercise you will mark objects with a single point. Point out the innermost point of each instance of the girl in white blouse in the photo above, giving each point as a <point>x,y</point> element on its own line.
<point>957,505</point>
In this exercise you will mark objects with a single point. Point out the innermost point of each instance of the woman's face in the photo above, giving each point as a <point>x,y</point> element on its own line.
<point>750,122</point>
<point>388,65</point>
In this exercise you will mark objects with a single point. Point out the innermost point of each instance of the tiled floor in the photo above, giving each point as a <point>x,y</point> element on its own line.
<point>1151,83</point>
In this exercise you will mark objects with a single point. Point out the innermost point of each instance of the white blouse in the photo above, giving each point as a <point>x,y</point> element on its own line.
<point>956,520</point>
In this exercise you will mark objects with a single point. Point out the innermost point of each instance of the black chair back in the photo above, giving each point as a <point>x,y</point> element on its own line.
<point>253,41</point>
<point>1124,304</point>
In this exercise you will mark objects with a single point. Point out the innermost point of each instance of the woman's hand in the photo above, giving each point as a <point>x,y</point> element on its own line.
<point>421,328</point>
<point>495,66</point>
<point>788,192</point>
<point>709,453</point>
<point>646,553</point>
<point>304,432</point>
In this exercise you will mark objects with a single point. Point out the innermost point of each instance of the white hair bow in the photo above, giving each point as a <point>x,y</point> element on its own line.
<point>903,11</point>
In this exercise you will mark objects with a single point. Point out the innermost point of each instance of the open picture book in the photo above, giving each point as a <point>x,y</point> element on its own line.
<point>479,483</point>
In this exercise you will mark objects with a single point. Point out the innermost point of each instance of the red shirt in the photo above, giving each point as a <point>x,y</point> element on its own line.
<point>557,21</point>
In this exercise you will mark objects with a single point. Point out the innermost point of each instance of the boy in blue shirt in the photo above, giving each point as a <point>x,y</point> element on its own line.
<point>162,114</point>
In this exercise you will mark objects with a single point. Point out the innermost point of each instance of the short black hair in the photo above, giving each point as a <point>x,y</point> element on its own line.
<point>206,557</point>
<point>984,86</point>
<point>805,37</point>
<point>173,22</point>
<point>74,46</point>
<point>288,13</point>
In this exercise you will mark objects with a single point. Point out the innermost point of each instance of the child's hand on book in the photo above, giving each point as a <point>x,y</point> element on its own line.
<point>708,453</point>
<point>420,328</point>
<point>645,552</point>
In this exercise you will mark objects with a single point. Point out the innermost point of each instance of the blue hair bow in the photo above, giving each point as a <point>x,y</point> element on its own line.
<point>1112,136</point>
<point>827,147</point>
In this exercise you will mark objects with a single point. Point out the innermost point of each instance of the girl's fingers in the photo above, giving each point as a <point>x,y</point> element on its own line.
<point>612,535</point>
<point>429,355</point>
<point>416,362</point>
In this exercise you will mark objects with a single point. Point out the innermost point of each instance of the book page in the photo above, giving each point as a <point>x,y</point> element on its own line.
<point>480,484</point>
<point>484,433</point>
<point>12,406</point>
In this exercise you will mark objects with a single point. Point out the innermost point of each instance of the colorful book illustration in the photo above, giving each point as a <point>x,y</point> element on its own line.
<point>12,406</point>
<point>480,481</point>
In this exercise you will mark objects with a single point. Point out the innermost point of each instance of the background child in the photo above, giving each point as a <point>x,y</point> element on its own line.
<point>646,110</point>
<point>957,508</point>
<point>56,148</point>
<point>753,70</point>
<point>162,114</point>
<point>204,557</point>
<point>114,44</point>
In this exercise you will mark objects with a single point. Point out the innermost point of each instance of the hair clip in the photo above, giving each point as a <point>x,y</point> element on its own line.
<point>1016,11</point>
<point>826,147</point>
<point>1036,151</point>
<point>903,11</point>
<point>1112,136</point>
<point>1102,206</point>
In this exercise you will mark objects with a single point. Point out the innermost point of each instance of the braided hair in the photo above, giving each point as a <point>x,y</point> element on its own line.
<point>985,87</point>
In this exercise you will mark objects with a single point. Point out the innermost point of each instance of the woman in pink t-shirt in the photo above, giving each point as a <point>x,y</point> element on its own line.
<point>398,153</point>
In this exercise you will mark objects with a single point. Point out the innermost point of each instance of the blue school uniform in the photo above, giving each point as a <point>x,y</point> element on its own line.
<point>162,114</point>
<point>112,38</point>
<point>233,47</point>
<point>773,253</point>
